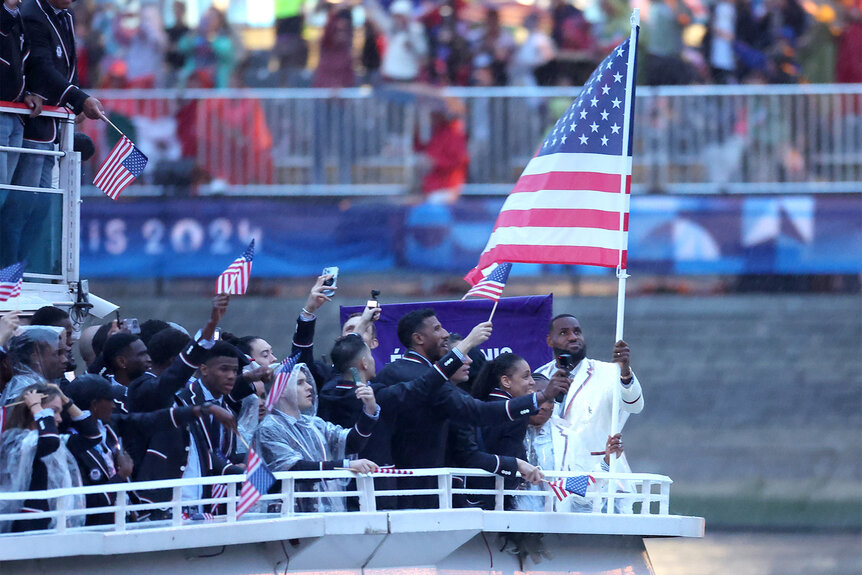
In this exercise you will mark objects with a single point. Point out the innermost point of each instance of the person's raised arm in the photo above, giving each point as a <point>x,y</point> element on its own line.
<point>465,408</point>
<point>150,394</point>
<point>219,308</point>
<point>303,337</point>
<point>49,437</point>
<point>369,316</point>
<point>630,388</point>
<point>477,336</point>
<point>364,427</point>
<point>558,384</point>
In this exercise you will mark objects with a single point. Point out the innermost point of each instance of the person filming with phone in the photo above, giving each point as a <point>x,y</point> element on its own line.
<point>588,404</point>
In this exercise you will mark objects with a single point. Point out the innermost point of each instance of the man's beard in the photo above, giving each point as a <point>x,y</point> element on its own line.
<point>576,357</point>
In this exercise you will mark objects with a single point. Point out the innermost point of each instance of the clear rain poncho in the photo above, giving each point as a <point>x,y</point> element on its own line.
<point>287,436</point>
<point>248,418</point>
<point>24,352</point>
<point>17,452</point>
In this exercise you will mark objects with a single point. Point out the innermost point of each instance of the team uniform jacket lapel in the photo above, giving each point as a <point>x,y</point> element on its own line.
<point>560,437</point>
<point>54,21</point>
<point>416,358</point>
<point>581,379</point>
<point>201,429</point>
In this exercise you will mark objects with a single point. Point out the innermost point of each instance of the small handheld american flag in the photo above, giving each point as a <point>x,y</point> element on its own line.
<point>120,168</point>
<point>258,481</point>
<point>563,487</point>
<point>219,491</point>
<point>234,280</point>
<point>491,287</point>
<point>282,376</point>
<point>11,279</point>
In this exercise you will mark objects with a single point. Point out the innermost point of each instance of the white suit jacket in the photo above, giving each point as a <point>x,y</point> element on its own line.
<point>587,411</point>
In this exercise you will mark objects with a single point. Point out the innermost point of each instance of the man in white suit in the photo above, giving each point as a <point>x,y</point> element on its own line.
<point>588,405</point>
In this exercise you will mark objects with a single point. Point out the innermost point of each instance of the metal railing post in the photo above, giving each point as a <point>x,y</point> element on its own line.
<point>367,500</point>
<point>499,486</point>
<point>120,511</point>
<point>664,499</point>
<point>177,506</point>
<point>646,496</point>
<point>288,488</point>
<point>61,513</point>
<point>231,502</point>
<point>549,500</point>
<point>444,485</point>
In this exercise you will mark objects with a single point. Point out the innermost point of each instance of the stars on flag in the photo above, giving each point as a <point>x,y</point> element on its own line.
<point>124,163</point>
<point>11,279</point>
<point>542,221</point>
<point>563,487</point>
<point>491,287</point>
<point>598,110</point>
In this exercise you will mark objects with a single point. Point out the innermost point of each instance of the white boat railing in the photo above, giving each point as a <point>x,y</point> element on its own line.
<point>648,495</point>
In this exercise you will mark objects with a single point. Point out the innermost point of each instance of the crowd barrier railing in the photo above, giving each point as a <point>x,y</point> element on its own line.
<point>689,139</point>
<point>647,494</point>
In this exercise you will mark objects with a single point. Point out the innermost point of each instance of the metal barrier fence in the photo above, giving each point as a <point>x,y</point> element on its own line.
<point>695,139</point>
<point>700,139</point>
<point>651,493</point>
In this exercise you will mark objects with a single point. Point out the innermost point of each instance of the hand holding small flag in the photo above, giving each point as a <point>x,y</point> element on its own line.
<point>565,486</point>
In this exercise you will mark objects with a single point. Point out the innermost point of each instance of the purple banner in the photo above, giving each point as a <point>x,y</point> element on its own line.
<point>520,325</point>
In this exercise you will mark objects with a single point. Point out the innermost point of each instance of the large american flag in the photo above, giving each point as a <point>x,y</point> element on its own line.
<point>282,375</point>
<point>566,206</point>
<point>562,487</point>
<point>11,279</point>
<point>258,480</point>
<point>234,280</point>
<point>120,168</point>
<point>492,286</point>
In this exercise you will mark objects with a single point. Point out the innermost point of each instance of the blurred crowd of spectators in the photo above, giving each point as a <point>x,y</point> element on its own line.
<point>453,42</point>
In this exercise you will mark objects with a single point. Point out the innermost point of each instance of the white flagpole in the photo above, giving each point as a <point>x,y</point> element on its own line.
<point>493,309</point>
<point>621,272</point>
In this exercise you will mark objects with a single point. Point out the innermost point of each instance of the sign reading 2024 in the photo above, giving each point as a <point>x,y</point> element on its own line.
<point>157,236</point>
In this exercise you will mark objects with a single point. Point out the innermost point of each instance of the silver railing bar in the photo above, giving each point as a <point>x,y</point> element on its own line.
<point>31,189</point>
<point>32,151</point>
